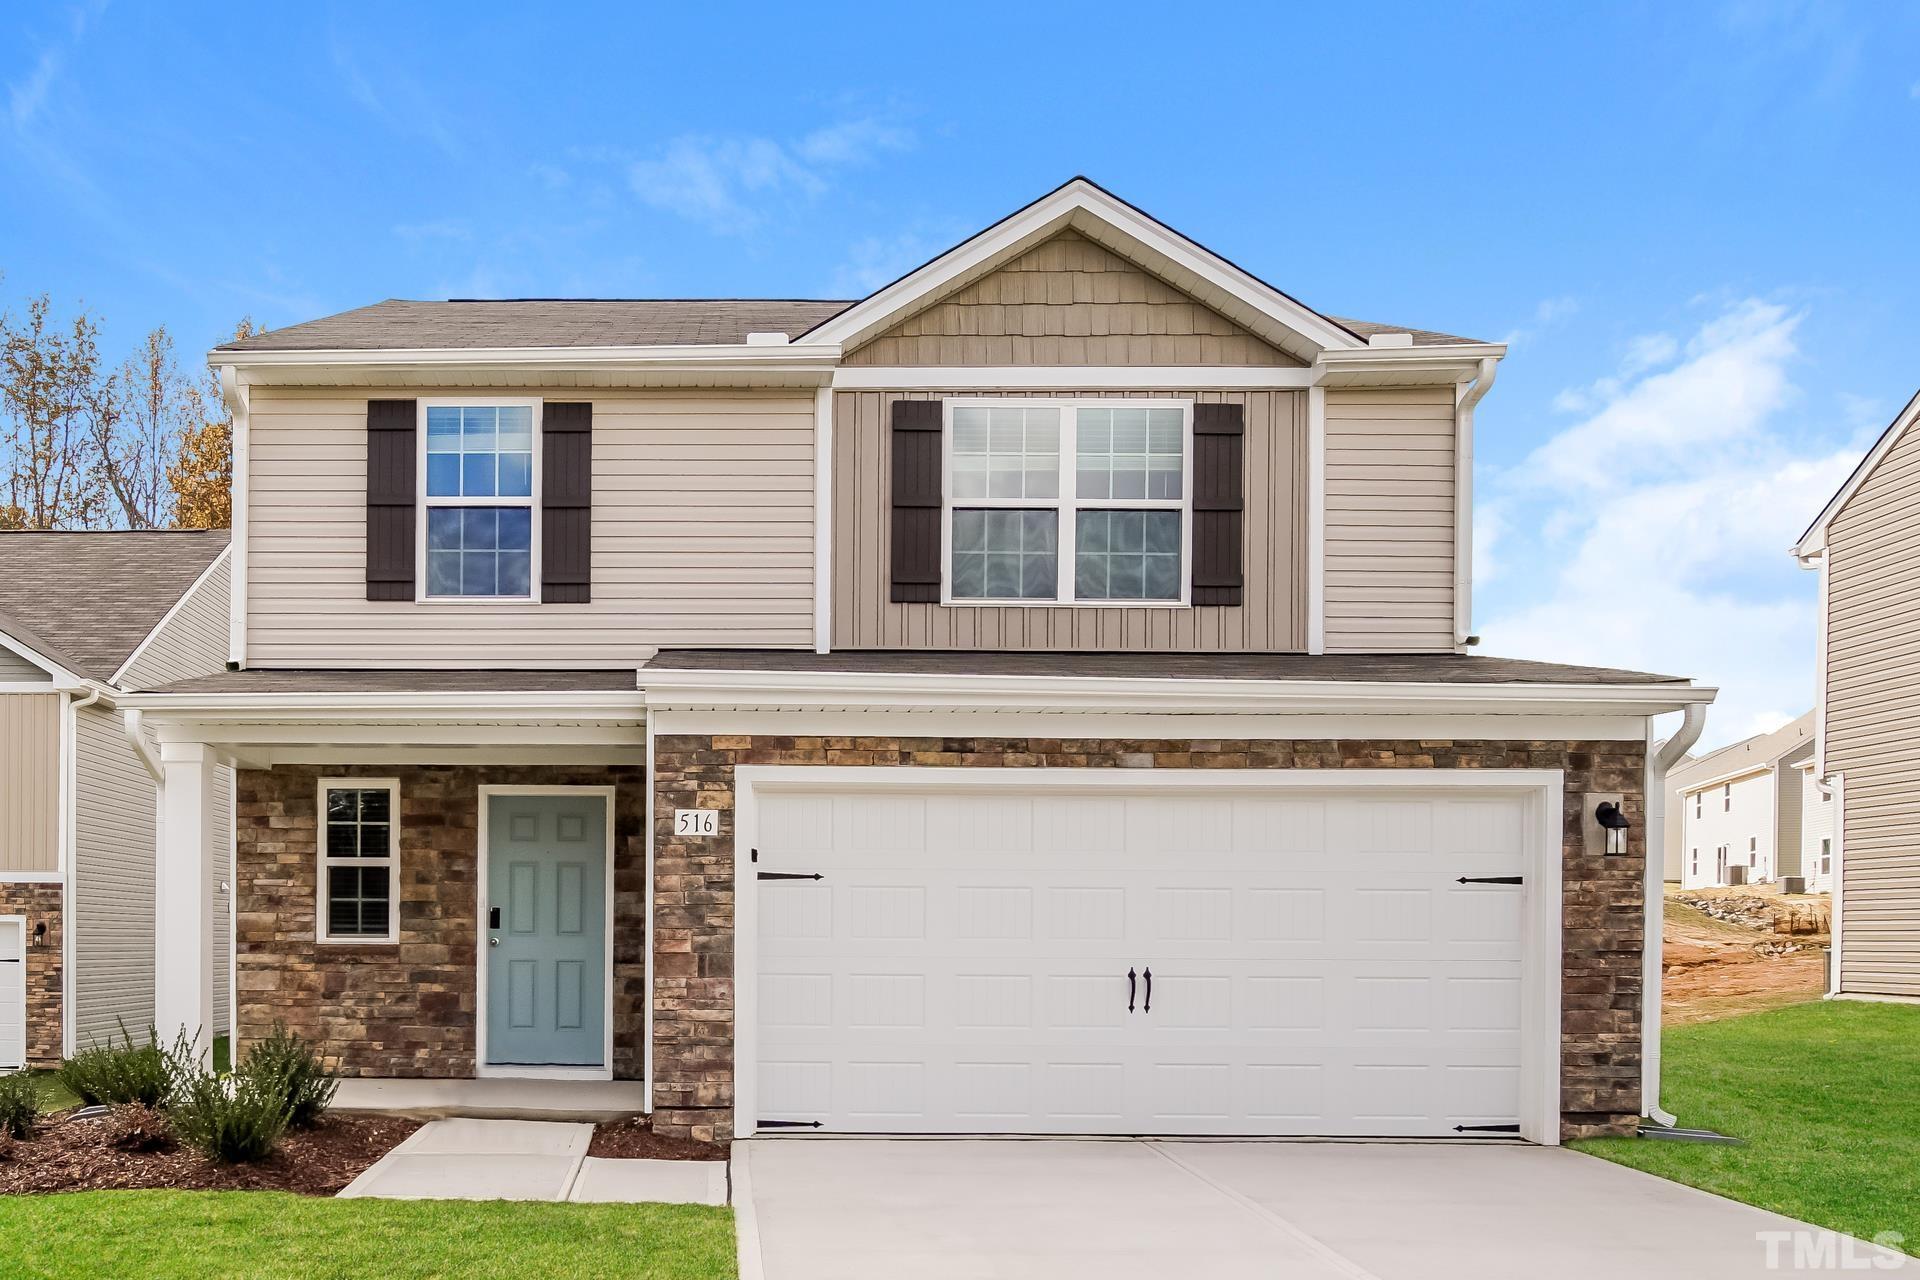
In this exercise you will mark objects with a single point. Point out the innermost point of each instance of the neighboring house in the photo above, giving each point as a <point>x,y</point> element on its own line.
<point>1735,814</point>
<point>1866,545</point>
<point>1034,698</point>
<point>1819,829</point>
<point>85,617</point>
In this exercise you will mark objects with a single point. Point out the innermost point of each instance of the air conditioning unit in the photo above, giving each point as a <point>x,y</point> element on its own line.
<point>1793,884</point>
<point>1736,875</point>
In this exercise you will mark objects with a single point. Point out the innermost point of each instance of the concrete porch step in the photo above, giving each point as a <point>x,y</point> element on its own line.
<point>579,1100</point>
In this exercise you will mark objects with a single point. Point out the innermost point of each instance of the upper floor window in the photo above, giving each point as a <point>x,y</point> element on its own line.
<point>1726,798</point>
<point>1068,502</point>
<point>478,484</point>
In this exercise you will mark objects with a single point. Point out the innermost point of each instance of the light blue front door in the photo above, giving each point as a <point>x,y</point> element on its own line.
<point>546,930</point>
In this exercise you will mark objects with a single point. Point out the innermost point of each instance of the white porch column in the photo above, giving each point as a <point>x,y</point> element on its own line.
<point>183,896</point>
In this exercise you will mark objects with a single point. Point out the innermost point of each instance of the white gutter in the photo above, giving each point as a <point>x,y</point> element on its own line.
<point>1838,881</point>
<point>1469,396</point>
<point>1674,750</point>
<point>741,355</point>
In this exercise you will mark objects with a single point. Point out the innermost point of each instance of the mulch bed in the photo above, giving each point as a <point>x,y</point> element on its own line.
<point>635,1139</point>
<point>73,1154</point>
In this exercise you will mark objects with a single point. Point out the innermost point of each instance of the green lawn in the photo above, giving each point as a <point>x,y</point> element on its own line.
<point>1824,1095</point>
<point>180,1235</point>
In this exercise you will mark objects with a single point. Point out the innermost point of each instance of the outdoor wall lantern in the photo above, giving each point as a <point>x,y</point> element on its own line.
<point>1614,823</point>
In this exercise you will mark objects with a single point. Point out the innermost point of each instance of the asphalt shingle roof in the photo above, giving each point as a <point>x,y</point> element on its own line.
<point>87,599</point>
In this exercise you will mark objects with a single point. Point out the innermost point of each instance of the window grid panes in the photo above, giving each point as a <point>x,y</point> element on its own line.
<point>357,863</point>
<point>478,489</point>
<point>1067,502</point>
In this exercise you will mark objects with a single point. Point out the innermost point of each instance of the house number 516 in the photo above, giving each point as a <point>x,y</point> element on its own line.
<point>696,822</point>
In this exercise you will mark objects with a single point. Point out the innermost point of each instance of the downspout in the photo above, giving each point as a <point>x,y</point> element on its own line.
<point>1470,396</point>
<point>130,721</point>
<point>69,853</point>
<point>1693,720</point>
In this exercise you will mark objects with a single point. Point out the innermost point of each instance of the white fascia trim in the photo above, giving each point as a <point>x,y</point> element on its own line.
<point>1814,541</point>
<point>700,690</point>
<point>464,705</point>
<point>239,401</point>
<point>1316,519</point>
<point>1079,377</point>
<point>62,680</point>
<point>1053,212</point>
<point>226,554</point>
<point>811,355</point>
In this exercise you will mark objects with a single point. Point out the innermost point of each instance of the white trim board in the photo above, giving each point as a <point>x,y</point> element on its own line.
<point>1542,966</point>
<point>1814,540</point>
<point>1076,377</point>
<point>482,1070</point>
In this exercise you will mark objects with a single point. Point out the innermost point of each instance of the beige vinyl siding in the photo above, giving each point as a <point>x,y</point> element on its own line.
<point>14,668</point>
<point>192,641</point>
<point>113,846</point>
<point>1273,616</point>
<point>1390,520</point>
<point>1873,720</point>
<point>1787,835</point>
<point>1067,301</point>
<point>29,782</point>
<point>702,535</point>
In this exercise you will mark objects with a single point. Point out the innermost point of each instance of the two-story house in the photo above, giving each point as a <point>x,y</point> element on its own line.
<point>1034,698</point>
<point>1865,543</point>
<point>1738,814</point>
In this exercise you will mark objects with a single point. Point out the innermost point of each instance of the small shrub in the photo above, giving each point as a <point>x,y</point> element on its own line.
<point>119,1073</point>
<point>285,1064</point>
<point>132,1127</point>
<point>19,1106</point>
<point>229,1119</point>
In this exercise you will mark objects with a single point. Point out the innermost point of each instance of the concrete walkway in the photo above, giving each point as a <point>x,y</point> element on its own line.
<point>530,1160</point>
<point>813,1209</point>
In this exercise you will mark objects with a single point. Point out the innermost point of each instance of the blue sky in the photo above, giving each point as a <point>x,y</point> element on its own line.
<point>1692,222</point>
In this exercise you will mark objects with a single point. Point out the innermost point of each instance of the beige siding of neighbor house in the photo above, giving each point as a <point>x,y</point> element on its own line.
<point>113,881</point>
<point>29,782</point>
<point>1068,301</point>
<point>14,668</point>
<point>1273,616</point>
<point>702,535</point>
<point>1873,721</point>
<point>192,641</point>
<point>1390,520</point>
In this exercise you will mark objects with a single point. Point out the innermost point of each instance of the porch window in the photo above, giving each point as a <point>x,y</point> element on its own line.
<point>1067,502</point>
<point>478,481</point>
<point>359,860</point>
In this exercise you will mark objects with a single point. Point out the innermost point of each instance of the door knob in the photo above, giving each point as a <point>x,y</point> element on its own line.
<point>493,942</point>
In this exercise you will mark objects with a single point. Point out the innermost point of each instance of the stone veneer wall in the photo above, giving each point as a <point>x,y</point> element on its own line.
<point>46,966</point>
<point>1603,897</point>
<point>381,1009</point>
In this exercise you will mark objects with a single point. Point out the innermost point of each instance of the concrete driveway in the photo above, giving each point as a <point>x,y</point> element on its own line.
<point>853,1209</point>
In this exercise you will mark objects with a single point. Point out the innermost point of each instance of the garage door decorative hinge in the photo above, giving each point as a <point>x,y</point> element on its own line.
<point>790,875</point>
<point>1482,1128</point>
<point>789,1124</point>
<point>1490,880</point>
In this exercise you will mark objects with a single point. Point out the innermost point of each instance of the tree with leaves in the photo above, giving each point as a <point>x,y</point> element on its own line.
<point>202,473</point>
<point>58,407</point>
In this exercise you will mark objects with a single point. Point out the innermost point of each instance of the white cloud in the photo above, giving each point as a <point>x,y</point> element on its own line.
<point>28,95</point>
<point>1661,522</point>
<point>1547,313</point>
<point>726,183</point>
<point>880,260</point>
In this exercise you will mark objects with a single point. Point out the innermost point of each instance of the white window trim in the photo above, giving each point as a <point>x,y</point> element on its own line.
<point>1069,502</point>
<point>422,503</point>
<point>321,924</point>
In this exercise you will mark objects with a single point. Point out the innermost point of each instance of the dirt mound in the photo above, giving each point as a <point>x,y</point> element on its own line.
<point>1722,956</point>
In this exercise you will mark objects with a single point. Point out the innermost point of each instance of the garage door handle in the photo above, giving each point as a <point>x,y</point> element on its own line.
<point>1147,1005</point>
<point>1489,880</point>
<point>789,875</point>
<point>1130,989</point>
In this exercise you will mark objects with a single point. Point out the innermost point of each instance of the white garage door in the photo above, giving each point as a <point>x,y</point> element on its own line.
<point>1087,960</point>
<point>13,993</point>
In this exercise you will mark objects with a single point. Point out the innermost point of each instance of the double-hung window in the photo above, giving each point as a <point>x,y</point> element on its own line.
<point>478,477</point>
<point>359,860</point>
<point>1068,501</point>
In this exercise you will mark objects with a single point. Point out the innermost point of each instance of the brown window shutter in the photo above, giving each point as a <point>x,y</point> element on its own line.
<point>1219,502</point>
<point>916,501</point>
<point>566,503</point>
<point>391,498</point>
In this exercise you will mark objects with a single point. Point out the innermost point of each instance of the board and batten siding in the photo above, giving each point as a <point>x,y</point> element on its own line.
<point>1272,617</point>
<point>1873,720</point>
<point>1068,301</point>
<point>702,536</point>
<point>192,641</point>
<point>16,669</point>
<point>1390,520</point>
<point>29,782</point>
